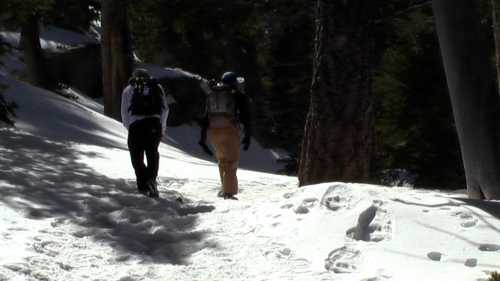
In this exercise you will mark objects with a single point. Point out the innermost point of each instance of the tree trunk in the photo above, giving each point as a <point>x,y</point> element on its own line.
<point>116,53</point>
<point>495,4</point>
<point>338,138</point>
<point>33,53</point>
<point>476,107</point>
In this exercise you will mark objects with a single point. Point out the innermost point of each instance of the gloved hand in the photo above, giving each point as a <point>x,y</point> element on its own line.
<point>246,142</point>
<point>212,82</point>
<point>205,148</point>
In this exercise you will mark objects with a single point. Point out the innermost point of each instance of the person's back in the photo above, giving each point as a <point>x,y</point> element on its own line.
<point>144,114</point>
<point>222,101</point>
<point>147,97</point>
<point>226,108</point>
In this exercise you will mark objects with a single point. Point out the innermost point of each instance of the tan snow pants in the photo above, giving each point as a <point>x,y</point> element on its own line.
<point>226,142</point>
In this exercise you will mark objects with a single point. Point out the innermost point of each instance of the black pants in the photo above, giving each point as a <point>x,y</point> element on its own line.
<point>144,138</point>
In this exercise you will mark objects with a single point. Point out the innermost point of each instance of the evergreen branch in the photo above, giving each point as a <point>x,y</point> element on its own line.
<point>415,6</point>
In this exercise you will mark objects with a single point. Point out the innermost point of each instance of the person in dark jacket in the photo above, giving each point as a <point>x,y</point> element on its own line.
<point>227,108</point>
<point>144,113</point>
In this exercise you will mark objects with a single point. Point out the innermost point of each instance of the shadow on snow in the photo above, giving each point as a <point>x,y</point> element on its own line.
<point>45,180</point>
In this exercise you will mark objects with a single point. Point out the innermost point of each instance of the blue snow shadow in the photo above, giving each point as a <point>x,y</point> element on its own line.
<point>43,179</point>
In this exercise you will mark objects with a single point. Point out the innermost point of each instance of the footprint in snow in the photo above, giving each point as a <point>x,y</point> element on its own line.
<point>489,247</point>
<point>33,269</point>
<point>17,229</point>
<point>287,206</point>
<point>22,268</point>
<point>378,278</point>
<point>343,260</point>
<point>470,262</point>
<point>284,253</point>
<point>49,248</point>
<point>435,256</point>
<point>306,205</point>
<point>375,224</point>
<point>338,197</point>
<point>58,222</point>
<point>82,233</point>
<point>467,219</point>
<point>52,233</point>
<point>128,278</point>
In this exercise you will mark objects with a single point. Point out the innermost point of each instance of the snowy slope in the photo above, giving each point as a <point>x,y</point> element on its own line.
<point>69,211</point>
<point>52,38</point>
<point>184,138</point>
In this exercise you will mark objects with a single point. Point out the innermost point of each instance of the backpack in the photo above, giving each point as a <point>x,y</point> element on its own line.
<point>222,101</point>
<point>146,104</point>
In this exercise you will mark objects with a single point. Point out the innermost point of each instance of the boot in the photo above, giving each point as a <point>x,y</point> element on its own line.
<point>226,195</point>
<point>153,189</point>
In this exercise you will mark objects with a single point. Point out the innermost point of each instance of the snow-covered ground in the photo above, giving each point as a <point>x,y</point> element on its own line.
<point>52,38</point>
<point>69,211</point>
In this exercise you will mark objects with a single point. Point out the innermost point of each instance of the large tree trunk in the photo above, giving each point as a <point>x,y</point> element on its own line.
<point>495,4</point>
<point>33,53</point>
<point>338,137</point>
<point>117,57</point>
<point>476,107</point>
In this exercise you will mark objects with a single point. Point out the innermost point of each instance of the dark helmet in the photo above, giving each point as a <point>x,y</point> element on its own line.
<point>140,77</point>
<point>229,78</point>
<point>141,73</point>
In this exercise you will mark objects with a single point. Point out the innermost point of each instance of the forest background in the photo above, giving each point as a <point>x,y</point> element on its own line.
<point>271,44</point>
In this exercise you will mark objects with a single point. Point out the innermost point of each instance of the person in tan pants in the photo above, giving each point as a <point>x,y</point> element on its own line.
<point>226,141</point>
<point>227,108</point>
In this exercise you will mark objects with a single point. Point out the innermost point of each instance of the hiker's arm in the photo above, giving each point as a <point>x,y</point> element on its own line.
<point>165,111</point>
<point>244,115</point>
<point>205,86</point>
<point>203,129</point>
<point>243,104</point>
<point>208,85</point>
<point>125,106</point>
<point>203,136</point>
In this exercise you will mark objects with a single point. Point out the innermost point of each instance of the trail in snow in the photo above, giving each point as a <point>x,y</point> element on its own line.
<point>82,225</point>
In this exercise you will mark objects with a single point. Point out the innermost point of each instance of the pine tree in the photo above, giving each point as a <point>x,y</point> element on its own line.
<point>495,4</point>
<point>476,106</point>
<point>27,15</point>
<point>116,52</point>
<point>338,138</point>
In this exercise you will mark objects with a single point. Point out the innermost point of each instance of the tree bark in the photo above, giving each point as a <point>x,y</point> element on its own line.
<point>117,59</point>
<point>495,4</point>
<point>338,138</point>
<point>476,107</point>
<point>33,53</point>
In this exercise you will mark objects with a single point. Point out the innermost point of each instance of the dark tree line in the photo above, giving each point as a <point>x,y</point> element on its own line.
<point>337,154</point>
<point>116,54</point>
<point>414,122</point>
